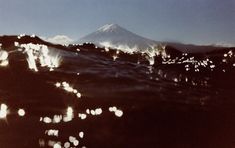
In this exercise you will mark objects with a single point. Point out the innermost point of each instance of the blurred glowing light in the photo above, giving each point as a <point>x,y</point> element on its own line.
<point>3,111</point>
<point>112,109</point>
<point>21,112</point>
<point>98,111</point>
<point>40,54</point>
<point>4,63</point>
<point>81,134</point>
<point>52,132</point>
<point>57,84</point>
<point>57,118</point>
<point>3,58</point>
<point>76,142</point>
<point>41,143</point>
<point>82,116</point>
<point>64,85</point>
<point>93,112</point>
<point>72,139</point>
<point>69,115</point>
<point>118,113</point>
<point>75,91</point>
<point>3,55</point>
<point>115,57</point>
<point>47,120</point>
<point>57,145</point>
<point>87,111</point>
<point>69,111</point>
<point>66,144</point>
<point>79,95</point>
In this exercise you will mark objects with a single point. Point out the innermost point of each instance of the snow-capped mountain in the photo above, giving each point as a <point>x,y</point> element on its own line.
<point>115,36</point>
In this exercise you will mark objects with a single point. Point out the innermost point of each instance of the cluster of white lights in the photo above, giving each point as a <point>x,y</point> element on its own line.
<point>4,111</point>
<point>94,112</point>
<point>196,65</point>
<point>227,56</point>
<point>72,142</point>
<point>20,36</point>
<point>52,132</point>
<point>40,53</point>
<point>64,85</point>
<point>181,78</point>
<point>69,115</point>
<point>55,119</point>
<point>82,116</point>
<point>191,63</point>
<point>117,112</point>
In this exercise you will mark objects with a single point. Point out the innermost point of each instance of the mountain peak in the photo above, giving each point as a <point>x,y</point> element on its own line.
<point>117,37</point>
<point>109,28</point>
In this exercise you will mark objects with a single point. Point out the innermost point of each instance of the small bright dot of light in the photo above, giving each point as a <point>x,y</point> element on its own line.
<point>57,145</point>
<point>57,84</point>
<point>75,142</point>
<point>79,95</point>
<point>66,144</point>
<point>81,134</point>
<point>21,112</point>
<point>118,113</point>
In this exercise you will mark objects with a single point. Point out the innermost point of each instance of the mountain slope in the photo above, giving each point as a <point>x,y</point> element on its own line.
<point>115,36</point>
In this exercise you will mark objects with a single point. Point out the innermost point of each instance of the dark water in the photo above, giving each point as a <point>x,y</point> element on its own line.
<point>89,98</point>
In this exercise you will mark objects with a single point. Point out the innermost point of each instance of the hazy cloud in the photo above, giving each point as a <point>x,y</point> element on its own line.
<point>224,44</point>
<point>59,39</point>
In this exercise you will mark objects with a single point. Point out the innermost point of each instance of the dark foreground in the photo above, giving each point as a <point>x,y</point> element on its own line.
<point>89,98</point>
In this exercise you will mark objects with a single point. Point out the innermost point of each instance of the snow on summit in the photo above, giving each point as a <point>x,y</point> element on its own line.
<point>108,28</point>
